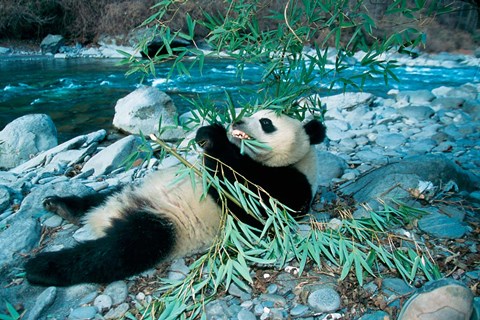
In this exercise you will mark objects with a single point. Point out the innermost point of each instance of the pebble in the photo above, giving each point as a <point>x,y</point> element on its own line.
<point>118,291</point>
<point>324,300</point>
<point>118,312</point>
<point>103,302</point>
<point>392,140</point>
<point>83,313</point>
<point>298,310</point>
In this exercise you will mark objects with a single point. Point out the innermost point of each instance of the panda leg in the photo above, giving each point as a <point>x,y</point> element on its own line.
<point>72,208</point>
<point>134,243</point>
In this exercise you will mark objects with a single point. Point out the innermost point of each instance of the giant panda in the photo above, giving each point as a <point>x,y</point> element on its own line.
<point>165,218</point>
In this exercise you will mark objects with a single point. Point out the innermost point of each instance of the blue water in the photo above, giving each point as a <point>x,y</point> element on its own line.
<point>80,94</point>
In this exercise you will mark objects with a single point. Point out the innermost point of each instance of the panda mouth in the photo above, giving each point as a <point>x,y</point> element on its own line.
<point>240,135</point>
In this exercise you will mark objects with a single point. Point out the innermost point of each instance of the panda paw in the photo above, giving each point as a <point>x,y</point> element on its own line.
<point>58,206</point>
<point>211,136</point>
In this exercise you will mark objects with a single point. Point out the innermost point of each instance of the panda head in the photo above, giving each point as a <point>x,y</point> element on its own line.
<point>288,139</point>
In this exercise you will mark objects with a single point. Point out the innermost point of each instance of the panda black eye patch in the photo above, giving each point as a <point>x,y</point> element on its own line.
<point>267,125</point>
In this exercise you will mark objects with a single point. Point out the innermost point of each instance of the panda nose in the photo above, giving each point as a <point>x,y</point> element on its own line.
<point>238,122</point>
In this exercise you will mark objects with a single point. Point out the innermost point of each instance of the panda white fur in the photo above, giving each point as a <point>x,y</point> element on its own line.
<point>160,220</point>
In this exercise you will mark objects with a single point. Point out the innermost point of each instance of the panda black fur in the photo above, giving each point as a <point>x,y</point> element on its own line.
<point>157,221</point>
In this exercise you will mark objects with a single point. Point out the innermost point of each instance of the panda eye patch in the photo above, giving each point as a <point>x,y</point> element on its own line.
<point>267,125</point>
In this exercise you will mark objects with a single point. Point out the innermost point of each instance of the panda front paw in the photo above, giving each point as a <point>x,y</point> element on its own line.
<point>211,136</point>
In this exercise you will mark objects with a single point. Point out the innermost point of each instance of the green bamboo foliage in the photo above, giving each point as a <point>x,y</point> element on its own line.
<point>362,247</point>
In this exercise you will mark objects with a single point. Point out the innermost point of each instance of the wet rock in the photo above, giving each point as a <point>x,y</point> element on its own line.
<point>178,270</point>
<point>43,302</point>
<point>392,180</point>
<point>418,97</point>
<point>118,312</point>
<point>5,198</point>
<point>378,315</point>
<point>391,140</point>
<point>103,302</point>
<point>4,51</point>
<point>25,137</point>
<point>330,166</point>
<point>417,113</point>
<point>442,226</point>
<point>142,110</point>
<point>217,309</point>
<point>118,291</point>
<point>52,43</point>
<point>324,300</point>
<point>113,156</point>
<point>83,313</point>
<point>26,234</point>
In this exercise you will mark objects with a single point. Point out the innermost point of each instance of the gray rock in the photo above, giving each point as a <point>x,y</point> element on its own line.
<point>417,112</point>
<point>390,140</point>
<point>324,300</point>
<point>395,287</point>
<point>336,134</point>
<point>51,43</point>
<point>246,315</point>
<point>274,299</point>
<point>141,111</point>
<point>298,310</point>
<point>178,270</point>
<point>53,222</point>
<point>4,50</point>
<point>32,204</point>
<point>466,92</point>
<point>118,312</point>
<point>43,302</point>
<point>421,147</point>
<point>330,167</point>
<point>24,137</point>
<point>442,226</point>
<point>5,198</point>
<point>348,100</point>
<point>20,237</point>
<point>218,310</point>
<point>377,315</point>
<point>405,174</point>
<point>370,156</point>
<point>113,156</point>
<point>417,97</point>
<point>472,107</point>
<point>47,156</point>
<point>235,291</point>
<point>118,291</point>
<point>83,313</point>
<point>476,309</point>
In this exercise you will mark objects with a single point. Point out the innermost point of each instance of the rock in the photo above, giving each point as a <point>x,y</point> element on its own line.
<point>442,226</point>
<point>298,310</point>
<point>348,100</point>
<point>4,50</point>
<point>26,233</point>
<point>118,312</point>
<point>417,113</point>
<point>377,315</point>
<point>24,137</point>
<point>466,92</point>
<point>393,179</point>
<point>418,97</point>
<point>113,156</point>
<point>178,270</point>
<point>330,167</point>
<point>275,300</point>
<point>246,315</point>
<point>5,198</point>
<point>390,140</point>
<point>118,291</point>
<point>51,43</point>
<point>103,302</point>
<point>43,302</point>
<point>142,110</point>
<point>47,156</point>
<point>443,299</point>
<point>324,300</point>
<point>217,309</point>
<point>83,313</point>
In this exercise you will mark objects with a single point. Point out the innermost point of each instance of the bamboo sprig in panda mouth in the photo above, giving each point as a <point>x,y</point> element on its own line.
<point>247,141</point>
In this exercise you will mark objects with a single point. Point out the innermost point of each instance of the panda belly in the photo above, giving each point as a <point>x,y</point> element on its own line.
<point>195,221</point>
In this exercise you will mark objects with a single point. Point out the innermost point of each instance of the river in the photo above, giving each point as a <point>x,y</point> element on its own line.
<point>80,94</point>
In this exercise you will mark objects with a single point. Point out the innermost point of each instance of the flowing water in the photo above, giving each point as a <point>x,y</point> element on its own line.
<point>80,94</point>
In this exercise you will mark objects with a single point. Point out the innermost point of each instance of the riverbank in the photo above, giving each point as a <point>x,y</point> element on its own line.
<point>419,146</point>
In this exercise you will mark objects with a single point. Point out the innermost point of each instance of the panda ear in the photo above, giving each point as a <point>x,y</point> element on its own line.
<point>315,130</point>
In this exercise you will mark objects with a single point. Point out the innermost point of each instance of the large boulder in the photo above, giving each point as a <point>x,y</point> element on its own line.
<point>24,137</point>
<point>52,43</point>
<point>142,110</point>
<point>393,180</point>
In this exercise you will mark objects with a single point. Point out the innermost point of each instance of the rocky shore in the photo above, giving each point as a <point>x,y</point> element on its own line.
<point>421,147</point>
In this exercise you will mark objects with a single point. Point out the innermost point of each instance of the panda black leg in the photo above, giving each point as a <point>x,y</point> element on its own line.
<point>131,245</point>
<point>72,208</point>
